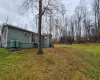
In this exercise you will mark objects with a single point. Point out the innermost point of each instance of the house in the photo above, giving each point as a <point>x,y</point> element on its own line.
<point>28,39</point>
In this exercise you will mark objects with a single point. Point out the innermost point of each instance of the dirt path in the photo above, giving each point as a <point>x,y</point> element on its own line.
<point>78,69</point>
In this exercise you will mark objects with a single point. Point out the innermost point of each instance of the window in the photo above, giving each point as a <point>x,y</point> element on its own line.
<point>26,34</point>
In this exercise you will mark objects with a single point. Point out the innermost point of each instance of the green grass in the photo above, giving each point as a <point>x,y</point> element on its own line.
<point>92,48</point>
<point>64,62</point>
<point>91,54</point>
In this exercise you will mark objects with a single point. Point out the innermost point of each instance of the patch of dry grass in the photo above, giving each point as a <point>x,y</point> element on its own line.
<point>55,64</point>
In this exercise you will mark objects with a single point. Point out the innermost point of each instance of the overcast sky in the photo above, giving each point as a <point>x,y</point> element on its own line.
<point>10,9</point>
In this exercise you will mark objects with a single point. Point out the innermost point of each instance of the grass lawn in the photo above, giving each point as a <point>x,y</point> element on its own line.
<point>64,62</point>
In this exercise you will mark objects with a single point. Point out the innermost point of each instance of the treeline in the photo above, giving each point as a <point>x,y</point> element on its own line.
<point>82,26</point>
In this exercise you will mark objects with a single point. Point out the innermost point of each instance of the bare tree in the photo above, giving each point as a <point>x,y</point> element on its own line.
<point>96,10</point>
<point>41,6</point>
<point>72,27</point>
<point>78,12</point>
<point>98,17</point>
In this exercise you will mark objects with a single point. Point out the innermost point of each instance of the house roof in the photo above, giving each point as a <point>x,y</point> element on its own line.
<point>8,25</point>
<point>11,26</point>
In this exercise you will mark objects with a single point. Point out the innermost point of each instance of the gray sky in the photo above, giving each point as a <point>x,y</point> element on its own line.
<point>10,9</point>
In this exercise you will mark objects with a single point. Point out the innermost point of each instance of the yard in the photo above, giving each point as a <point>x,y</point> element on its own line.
<point>64,62</point>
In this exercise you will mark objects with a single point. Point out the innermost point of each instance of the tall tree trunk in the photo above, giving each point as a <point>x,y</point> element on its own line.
<point>39,28</point>
<point>98,22</point>
<point>96,35</point>
<point>98,16</point>
<point>50,26</point>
